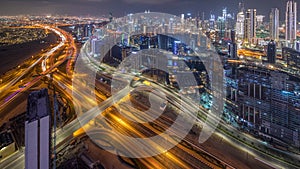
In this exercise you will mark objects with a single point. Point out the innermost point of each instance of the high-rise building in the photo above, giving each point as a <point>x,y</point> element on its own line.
<point>274,24</point>
<point>212,22</point>
<point>268,101</point>
<point>250,26</point>
<point>240,25</point>
<point>271,53</point>
<point>225,13</point>
<point>88,30</point>
<point>291,21</point>
<point>292,58</point>
<point>221,27</point>
<point>110,17</point>
<point>37,131</point>
<point>96,46</point>
<point>233,50</point>
<point>232,46</point>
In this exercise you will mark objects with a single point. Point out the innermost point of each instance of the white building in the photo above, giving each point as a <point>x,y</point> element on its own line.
<point>291,22</point>
<point>250,26</point>
<point>274,24</point>
<point>240,25</point>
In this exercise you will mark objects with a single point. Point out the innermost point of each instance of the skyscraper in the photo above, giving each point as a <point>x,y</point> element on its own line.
<point>240,22</point>
<point>271,53</point>
<point>250,25</point>
<point>212,22</point>
<point>221,27</point>
<point>232,46</point>
<point>291,21</point>
<point>225,13</point>
<point>37,131</point>
<point>274,24</point>
<point>88,30</point>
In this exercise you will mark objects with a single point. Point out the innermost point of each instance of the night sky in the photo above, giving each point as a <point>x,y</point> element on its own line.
<point>122,7</point>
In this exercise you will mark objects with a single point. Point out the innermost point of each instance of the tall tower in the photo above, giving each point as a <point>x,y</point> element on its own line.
<point>271,53</point>
<point>37,131</point>
<point>250,25</point>
<point>240,22</point>
<point>291,21</point>
<point>274,24</point>
<point>225,13</point>
<point>233,46</point>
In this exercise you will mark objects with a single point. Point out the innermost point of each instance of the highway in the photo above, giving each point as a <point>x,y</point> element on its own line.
<point>280,160</point>
<point>12,92</point>
<point>7,87</point>
<point>245,146</point>
<point>90,109</point>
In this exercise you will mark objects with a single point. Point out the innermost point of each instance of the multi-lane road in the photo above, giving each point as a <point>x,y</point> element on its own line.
<point>13,90</point>
<point>49,63</point>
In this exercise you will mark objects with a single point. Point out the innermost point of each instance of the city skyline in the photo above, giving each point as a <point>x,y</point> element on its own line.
<point>149,84</point>
<point>104,7</point>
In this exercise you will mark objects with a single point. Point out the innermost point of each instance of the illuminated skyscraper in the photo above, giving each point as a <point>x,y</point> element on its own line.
<point>225,13</point>
<point>291,21</point>
<point>274,24</point>
<point>221,27</point>
<point>88,30</point>
<point>240,25</point>
<point>250,25</point>
<point>212,22</point>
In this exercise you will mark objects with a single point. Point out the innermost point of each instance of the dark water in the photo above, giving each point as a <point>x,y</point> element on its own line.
<point>13,55</point>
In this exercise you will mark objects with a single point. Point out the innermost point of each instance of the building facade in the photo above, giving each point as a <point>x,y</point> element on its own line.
<point>291,22</point>
<point>265,101</point>
<point>250,26</point>
<point>240,25</point>
<point>292,58</point>
<point>274,24</point>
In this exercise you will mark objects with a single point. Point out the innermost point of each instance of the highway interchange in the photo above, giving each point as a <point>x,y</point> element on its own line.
<point>11,90</point>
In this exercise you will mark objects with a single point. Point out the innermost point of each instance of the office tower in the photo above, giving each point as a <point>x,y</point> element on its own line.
<point>232,46</point>
<point>182,21</point>
<point>110,17</point>
<point>225,13</point>
<point>96,46</point>
<point>267,102</point>
<point>250,26</point>
<point>271,53</point>
<point>240,25</point>
<point>274,24</point>
<point>37,131</point>
<point>88,30</point>
<point>212,22</point>
<point>291,21</point>
<point>233,50</point>
<point>221,27</point>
